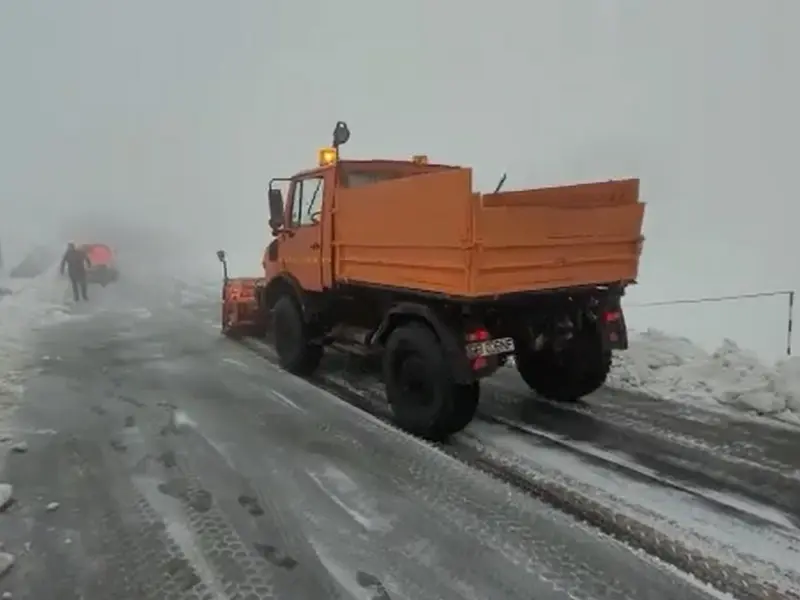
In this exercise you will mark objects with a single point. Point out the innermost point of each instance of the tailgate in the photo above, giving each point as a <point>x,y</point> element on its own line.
<point>557,237</point>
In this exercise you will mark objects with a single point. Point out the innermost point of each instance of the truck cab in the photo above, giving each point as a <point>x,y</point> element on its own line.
<point>300,218</point>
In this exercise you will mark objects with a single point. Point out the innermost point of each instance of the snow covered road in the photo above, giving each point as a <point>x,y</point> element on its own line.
<point>724,452</point>
<point>718,500</point>
<point>713,492</point>
<point>723,488</point>
<point>185,466</point>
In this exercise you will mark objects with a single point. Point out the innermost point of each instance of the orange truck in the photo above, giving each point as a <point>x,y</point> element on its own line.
<point>403,260</point>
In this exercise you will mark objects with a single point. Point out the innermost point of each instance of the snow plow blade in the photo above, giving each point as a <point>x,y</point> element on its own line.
<point>241,310</point>
<point>241,314</point>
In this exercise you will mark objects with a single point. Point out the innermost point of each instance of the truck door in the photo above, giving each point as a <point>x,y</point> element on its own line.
<point>301,245</point>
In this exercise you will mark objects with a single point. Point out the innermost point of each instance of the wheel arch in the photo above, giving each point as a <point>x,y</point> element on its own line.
<point>284,284</point>
<point>414,312</point>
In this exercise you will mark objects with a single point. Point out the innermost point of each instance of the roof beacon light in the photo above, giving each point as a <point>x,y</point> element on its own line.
<point>326,156</point>
<point>420,159</point>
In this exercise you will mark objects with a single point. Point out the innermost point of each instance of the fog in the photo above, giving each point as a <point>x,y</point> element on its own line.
<point>166,120</point>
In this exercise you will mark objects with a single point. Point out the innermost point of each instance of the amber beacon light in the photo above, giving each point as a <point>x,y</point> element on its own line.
<point>326,156</point>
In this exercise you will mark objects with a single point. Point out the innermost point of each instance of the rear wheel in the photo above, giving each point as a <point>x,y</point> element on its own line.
<point>424,399</point>
<point>464,408</point>
<point>295,353</point>
<point>569,375</point>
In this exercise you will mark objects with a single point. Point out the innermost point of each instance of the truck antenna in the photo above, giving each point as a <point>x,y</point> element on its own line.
<point>500,183</point>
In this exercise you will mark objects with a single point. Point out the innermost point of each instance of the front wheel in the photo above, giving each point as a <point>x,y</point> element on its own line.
<point>295,353</point>
<point>424,399</point>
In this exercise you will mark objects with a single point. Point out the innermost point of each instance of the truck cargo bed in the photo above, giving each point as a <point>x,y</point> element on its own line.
<point>431,233</point>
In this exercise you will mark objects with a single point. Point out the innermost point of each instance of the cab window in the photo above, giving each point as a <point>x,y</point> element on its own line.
<point>352,178</point>
<point>307,201</point>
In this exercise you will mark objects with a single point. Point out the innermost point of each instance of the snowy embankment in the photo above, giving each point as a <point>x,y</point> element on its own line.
<point>675,369</point>
<point>33,303</point>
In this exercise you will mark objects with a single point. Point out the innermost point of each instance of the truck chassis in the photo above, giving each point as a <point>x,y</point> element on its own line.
<point>433,350</point>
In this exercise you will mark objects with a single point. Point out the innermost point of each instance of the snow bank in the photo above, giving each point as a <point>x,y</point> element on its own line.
<point>674,368</point>
<point>33,303</point>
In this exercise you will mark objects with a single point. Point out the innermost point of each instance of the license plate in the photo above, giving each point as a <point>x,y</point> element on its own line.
<point>490,347</point>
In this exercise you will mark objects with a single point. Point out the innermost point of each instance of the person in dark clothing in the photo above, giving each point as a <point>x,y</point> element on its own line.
<point>76,262</point>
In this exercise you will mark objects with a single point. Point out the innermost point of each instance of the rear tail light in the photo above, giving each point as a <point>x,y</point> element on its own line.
<point>478,335</point>
<point>611,316</point>
<point>481,334</point>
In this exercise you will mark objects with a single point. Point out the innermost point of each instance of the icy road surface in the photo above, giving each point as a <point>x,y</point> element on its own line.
<point>165,462</point>
<point>716,493</point>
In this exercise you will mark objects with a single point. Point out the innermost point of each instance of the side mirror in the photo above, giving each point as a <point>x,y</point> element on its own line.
<point>341,133</point>
<point>276,217</point>
<point>221,255</point>
<point>272,251</point>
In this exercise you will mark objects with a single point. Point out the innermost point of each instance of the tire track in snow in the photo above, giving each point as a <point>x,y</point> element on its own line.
<point>722,576</point>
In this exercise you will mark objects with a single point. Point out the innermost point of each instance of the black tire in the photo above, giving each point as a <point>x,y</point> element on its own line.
<point>295,353</point>
<point>577,372</point>
<point>424,399</point>
<point>464,408</point>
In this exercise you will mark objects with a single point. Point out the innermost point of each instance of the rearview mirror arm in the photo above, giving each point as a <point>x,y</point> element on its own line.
<point>224,260</point>
<point>280,230</point>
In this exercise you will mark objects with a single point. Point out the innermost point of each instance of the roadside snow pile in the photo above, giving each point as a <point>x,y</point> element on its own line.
<point>675,369</point>
<point>34,303</point>
<point>35,263</point>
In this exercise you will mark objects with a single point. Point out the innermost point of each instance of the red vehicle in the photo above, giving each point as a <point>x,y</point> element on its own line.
<point>104,267</point>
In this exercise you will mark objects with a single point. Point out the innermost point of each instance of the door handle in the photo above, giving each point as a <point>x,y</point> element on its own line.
<point>315,246</point>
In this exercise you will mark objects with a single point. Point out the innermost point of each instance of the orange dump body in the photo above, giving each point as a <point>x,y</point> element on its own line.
<point>433,233</point>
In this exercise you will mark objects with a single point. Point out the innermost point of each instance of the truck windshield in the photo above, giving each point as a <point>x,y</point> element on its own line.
<point>354,178</point>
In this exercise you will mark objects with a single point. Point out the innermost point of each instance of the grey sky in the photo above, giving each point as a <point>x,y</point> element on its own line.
<point>184,109</point>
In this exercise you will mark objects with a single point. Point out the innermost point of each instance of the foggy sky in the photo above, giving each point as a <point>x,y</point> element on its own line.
<point>179,112</point>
